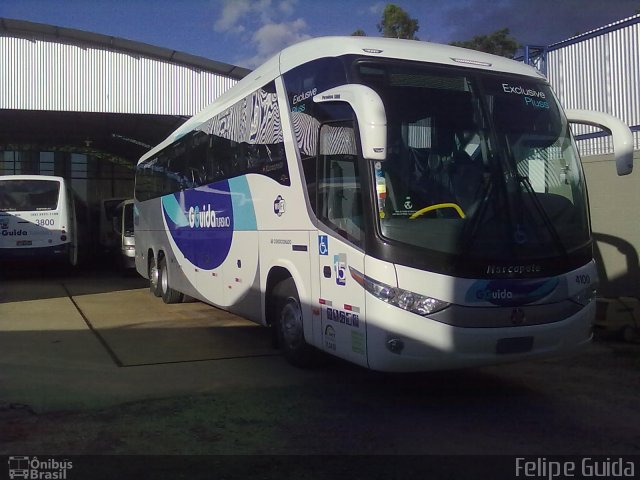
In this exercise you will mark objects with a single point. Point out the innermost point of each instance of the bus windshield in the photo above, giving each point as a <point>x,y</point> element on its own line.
<point>28,195</point>
<point>479,165</point>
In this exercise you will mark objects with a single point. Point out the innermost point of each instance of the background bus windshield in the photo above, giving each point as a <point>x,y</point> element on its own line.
<point>27,195</point>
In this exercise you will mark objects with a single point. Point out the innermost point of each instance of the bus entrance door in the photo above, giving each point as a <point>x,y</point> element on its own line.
<point>342,300</point>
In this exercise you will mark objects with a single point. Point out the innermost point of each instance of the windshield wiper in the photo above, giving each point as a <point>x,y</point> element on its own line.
<point>471,228</point>
<point>524,181</point>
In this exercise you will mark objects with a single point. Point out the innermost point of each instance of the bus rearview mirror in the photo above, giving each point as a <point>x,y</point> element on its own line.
<point>369,109</point>
<point>622,136</point>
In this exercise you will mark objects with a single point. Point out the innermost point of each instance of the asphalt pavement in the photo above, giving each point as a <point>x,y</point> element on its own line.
<point>93,363</point>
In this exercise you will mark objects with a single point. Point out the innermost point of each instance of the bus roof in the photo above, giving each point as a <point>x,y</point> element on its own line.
<point>374,47</point>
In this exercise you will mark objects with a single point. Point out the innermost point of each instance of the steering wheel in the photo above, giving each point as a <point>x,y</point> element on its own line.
<point>438,206</point>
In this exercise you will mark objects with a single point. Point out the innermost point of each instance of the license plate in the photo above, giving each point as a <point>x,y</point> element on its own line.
<point>23,243</point>
<point>506,346</point>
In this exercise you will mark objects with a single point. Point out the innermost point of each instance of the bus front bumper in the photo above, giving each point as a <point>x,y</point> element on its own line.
<point>35,253</point>
<point>398,341</point>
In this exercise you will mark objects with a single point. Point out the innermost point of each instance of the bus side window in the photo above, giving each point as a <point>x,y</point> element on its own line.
<point>310,166</point>
<point>247,138</point>
<point>339,197</point>
<point>199,159</point>
<point>180,171</point>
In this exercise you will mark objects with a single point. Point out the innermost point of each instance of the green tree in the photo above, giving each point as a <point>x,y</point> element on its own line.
<point>396,23</point>
<point>359,33</point>
<point>498,43</point>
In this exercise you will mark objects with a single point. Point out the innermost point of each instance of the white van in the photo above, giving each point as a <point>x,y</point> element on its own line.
<point>109,240</point>
<point>123,229</point>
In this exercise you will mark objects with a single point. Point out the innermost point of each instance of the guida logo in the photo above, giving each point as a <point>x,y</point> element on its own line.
<point>14,232</point>
<point>511,292</point>
<point>206,218</point>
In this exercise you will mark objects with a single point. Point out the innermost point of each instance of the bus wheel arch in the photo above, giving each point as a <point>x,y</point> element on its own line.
<point>276,276</point>
<point>285,314</point>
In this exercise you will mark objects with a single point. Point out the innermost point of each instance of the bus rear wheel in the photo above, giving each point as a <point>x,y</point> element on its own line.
<point>289,323</point>
<point>169,295</point>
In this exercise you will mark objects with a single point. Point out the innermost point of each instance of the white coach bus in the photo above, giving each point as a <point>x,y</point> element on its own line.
<point>402,205</point>
<point>37,219</point>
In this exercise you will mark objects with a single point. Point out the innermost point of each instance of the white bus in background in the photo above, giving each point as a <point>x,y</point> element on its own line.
<point>402,205</point>
<point>123,228</point>
<point>109,239</point>
<point>37,219</point>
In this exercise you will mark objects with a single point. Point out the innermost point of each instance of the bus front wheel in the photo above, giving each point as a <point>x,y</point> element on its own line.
<point>289,326</point>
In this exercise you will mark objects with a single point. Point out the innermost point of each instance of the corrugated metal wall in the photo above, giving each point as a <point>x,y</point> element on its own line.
<point>600,71</point>
<point>39,74</point>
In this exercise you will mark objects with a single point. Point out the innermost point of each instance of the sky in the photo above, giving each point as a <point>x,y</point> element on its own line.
<point>248,32</point>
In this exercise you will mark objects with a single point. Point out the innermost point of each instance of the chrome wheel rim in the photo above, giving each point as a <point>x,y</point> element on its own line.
<point>154,275</point>
<point>291,320</point>
<point>164,280</point>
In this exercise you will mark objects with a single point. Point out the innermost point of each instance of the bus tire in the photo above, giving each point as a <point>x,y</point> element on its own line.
<point>169,295</point>
<point>154,277</point>
<point>288,323</point>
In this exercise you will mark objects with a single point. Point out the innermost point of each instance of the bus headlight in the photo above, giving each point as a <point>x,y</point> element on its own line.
<point>585,296</point>
<point>410,301</point>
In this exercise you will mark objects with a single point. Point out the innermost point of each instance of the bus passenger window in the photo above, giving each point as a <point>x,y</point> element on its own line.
<point>339,197</point>
<point>309,166</point>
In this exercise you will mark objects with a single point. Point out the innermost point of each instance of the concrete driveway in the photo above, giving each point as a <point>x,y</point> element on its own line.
<point>100,339</point>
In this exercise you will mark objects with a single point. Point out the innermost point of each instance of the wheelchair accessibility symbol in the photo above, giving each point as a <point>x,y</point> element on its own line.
<point>323,245</point>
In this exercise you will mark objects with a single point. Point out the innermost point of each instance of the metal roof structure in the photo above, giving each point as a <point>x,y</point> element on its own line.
<point>11,27</point>
<point>65,86</point>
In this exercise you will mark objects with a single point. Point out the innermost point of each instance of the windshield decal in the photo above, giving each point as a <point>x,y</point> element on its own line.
<point>532,97</point>
<point>530,102</point>
<point>381,188</point>
<point>520,90</point>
